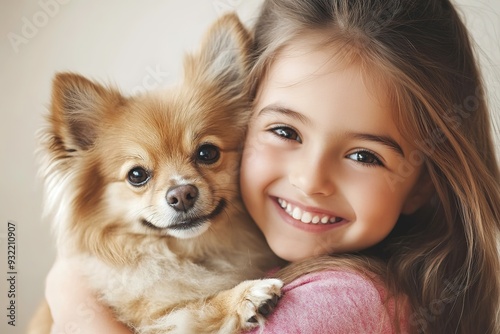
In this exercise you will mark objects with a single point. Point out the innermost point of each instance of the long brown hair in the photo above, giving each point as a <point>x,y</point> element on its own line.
<point>444,257</point>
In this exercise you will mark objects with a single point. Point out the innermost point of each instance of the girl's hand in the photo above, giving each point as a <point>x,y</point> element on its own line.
<point>74,307</point>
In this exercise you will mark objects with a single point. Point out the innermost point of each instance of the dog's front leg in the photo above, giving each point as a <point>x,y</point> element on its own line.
<point>241,308</point>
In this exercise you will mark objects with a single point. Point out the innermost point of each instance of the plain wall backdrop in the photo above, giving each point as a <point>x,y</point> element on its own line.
<point>135,45</point>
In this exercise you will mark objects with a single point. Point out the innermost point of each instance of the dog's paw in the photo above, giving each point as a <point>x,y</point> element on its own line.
<point>259,298</point>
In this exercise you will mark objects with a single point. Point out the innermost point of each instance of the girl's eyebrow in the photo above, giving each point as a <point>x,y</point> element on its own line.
<point>276,108</point>
<point>384,140</point>
<point>381,139</point>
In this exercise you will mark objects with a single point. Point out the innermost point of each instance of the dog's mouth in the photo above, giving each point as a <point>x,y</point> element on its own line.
<point>191,222</point>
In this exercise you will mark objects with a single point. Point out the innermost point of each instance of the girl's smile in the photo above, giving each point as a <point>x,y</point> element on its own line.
<point>307,219</point>
<point>321,171</point>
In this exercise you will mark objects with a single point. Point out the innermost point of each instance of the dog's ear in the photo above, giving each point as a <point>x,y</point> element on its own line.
<point>224,57</point>
<point>77,107</point>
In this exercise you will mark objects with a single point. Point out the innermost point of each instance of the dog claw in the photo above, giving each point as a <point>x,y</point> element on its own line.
<point>274,300</point>
<point>264,309</point>
<point>252,320</point>
<point>267,307</point>
<point>261,297</point>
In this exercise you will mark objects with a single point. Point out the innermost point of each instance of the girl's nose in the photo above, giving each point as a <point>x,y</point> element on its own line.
<point>312,176</point>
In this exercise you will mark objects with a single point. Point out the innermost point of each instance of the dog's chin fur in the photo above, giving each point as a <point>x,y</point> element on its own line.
<point>144,257</point>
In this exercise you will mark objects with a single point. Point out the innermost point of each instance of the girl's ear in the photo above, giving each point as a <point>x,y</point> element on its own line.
<point>419,195</point>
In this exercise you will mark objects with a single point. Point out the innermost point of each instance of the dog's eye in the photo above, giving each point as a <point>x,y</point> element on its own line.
<point>207,154</point>
<point>138,176</point>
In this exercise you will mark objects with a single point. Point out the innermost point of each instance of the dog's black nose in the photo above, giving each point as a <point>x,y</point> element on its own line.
<point>183,197</point>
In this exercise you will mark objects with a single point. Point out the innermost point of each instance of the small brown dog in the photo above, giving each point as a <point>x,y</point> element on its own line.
<point>143,192</point>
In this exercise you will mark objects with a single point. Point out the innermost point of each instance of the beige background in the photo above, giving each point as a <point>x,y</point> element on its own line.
<point>135,44</point>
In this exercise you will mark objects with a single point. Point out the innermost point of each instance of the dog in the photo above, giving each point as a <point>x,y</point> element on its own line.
<point>143,192</point>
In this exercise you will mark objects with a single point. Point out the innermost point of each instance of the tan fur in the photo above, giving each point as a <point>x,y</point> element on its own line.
<point>155,278</point>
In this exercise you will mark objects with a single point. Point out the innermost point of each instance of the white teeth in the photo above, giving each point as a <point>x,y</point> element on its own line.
<point>304,216</point>
<point>297,213</point>
<point>282,203</point>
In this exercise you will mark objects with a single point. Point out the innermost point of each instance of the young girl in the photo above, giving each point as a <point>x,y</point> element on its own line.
<point>369,165</point>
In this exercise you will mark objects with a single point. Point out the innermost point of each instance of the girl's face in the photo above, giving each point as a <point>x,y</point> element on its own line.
<point>324,170</point>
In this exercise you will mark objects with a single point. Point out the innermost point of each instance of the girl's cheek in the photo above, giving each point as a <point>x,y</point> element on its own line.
<point>254,160</point>
<point>257,160</point>
<point>382,205</point>
<point>259,148</point>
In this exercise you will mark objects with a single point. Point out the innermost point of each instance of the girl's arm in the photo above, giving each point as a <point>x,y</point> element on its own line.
<point>73,305</point>
<point>332,302</point>
<point>324,302</point>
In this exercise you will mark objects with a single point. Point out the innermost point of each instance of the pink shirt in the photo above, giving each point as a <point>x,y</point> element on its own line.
<point>337,302</point>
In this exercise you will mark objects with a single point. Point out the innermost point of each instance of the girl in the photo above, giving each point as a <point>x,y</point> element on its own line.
<point>366,111</point>
<point>369,165</point>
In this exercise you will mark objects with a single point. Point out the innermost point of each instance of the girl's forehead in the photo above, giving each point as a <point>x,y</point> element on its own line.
<point>312,56</point>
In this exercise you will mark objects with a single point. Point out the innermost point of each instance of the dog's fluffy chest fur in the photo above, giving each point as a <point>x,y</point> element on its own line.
<point>161,280</point>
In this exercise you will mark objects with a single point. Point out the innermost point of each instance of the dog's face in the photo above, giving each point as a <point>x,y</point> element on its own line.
<point>165,162</point>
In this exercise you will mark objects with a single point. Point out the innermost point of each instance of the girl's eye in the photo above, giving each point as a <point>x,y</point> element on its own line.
<point>366,158</point>
<point>207,154</point>
<point>138,176</point>
<point>286,132</point>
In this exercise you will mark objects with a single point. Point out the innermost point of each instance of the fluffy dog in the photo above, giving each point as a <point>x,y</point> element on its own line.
<point>143,192</point>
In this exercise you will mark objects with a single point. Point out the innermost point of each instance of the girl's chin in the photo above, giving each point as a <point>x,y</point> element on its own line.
<point>288,256</point>
<point>293,251</point>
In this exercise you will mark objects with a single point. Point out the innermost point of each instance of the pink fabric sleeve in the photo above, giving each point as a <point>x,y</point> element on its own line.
<point>330,302</point>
